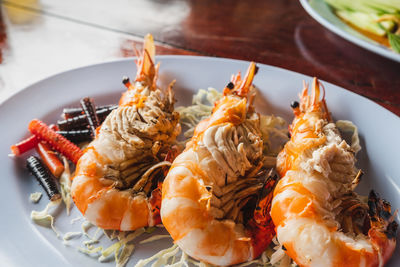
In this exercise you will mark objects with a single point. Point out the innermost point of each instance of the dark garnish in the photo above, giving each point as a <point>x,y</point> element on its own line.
<point>89,109</point>
<point>73,112</point>
<point>77,136</point>
<point>45,179</point>
<point>80,121</point>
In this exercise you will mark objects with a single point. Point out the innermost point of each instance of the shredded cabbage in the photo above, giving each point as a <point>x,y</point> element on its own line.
<point>44,218</point>
<point>70,235</point>
<point>86,225</point>
<point>201,108</point>
<point>90,252</point>
<point>76,219</point>
<point>35,197</point>
<point>274,256</point>
<point>274,133</point>
<point>125,254</point>
<point>161,258</point>
<point>150,229</point>
<point>65,185</point>
<point>94,239</point>
<point>154,238</point>
<point>121,249</point>
<point>113,249</point>
<point>90,242</point>
<point>111,234</point>
<point>348,126</point>
<point>126,238</point>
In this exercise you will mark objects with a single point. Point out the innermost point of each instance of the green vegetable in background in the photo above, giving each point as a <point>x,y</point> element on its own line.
<point>366,22</point>
<point>379,17</point>
<point>394,40</point>
<point>367,6</point>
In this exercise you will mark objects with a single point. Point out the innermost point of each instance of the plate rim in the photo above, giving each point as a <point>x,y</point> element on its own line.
<point>377,49</point>
<point>180,57</point>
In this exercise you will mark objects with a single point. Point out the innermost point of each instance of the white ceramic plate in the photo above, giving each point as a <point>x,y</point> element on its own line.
<point>23,243</point>
<point>322,13</point>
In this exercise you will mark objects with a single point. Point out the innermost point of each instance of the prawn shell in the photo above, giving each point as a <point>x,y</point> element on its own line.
<point>103,205</point>
<point>183,187</point>
<point>185,215</point>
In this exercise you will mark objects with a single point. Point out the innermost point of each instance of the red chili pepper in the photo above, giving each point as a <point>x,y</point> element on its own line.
<point>50,158</point>
<point>25,145</point>
<point>57,141</point>
<point>28,143</point>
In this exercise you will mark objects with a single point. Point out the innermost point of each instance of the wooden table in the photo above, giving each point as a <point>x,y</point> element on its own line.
<point>39,38</point>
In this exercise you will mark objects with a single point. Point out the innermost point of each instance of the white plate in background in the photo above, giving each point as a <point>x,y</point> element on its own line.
<point>322,13</point>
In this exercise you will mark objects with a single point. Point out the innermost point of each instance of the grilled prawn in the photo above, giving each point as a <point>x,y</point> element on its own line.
<point>217,194</point>
<point>320,220</point>
<point>116,180</point>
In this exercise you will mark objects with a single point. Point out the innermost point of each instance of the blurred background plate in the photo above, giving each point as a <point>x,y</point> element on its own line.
<point>322,13</point>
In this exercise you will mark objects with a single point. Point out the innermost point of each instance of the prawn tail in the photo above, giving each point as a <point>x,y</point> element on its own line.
<point>383,225</point>
<point>261,236</point>
<point>261,227</point>
<point>146,70</point>
<point>155,205</point>
<point>156,194</point>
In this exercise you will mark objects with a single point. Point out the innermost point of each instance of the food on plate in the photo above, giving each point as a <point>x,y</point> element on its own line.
<point>27,144</point>
<point>57,141</point>
<point>24,145</point>
<point>74,118</point>
<point>48,144</point>
<point>216,196</point>
<point>89,109</point>
<point>320,220</point>
<point>50,158</point>
<point>75,124</point>
<point>116,182</point>
<point>377,19</point>
<point>36,167</point>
